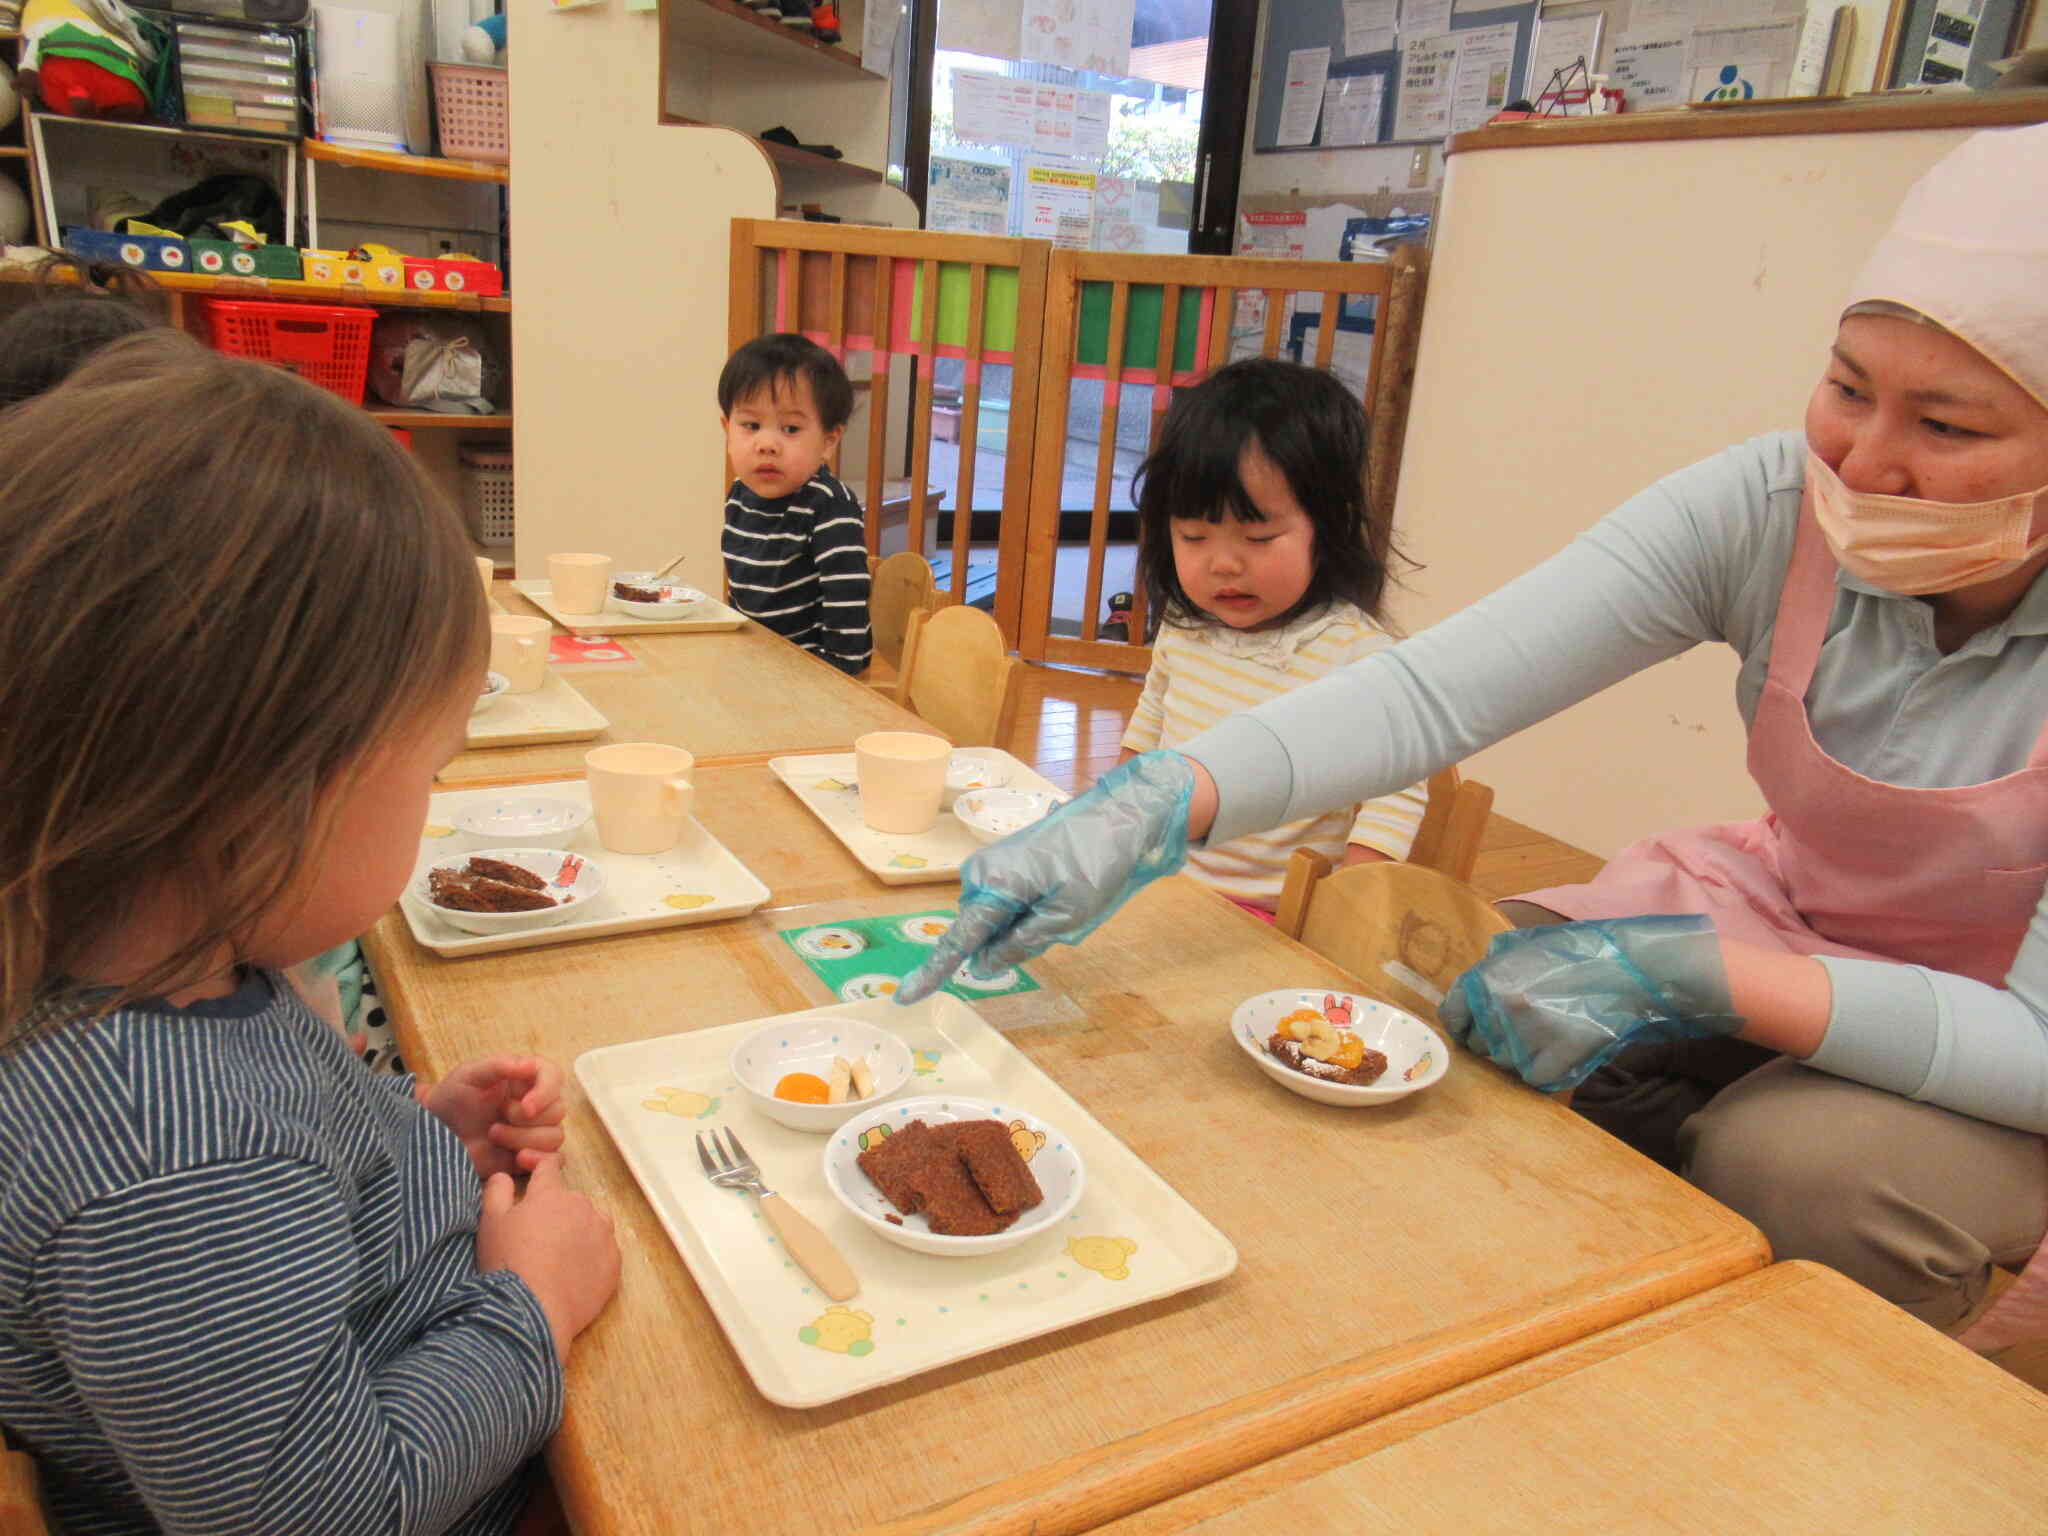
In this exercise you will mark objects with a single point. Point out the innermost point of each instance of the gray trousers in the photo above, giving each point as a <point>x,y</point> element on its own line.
<point>1915,1202</point>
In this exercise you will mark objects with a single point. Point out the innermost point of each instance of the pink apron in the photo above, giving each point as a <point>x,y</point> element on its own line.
<point>1844,865</point>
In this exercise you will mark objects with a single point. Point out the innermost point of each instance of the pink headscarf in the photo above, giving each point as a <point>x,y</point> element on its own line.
<point>1969,250</point>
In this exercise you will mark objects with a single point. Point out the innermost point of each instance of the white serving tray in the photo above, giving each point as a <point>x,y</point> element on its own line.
<point>555,711</point>
<point>710,614</point>
<point>1132,1239</point>
<point>697,881</point>
<point>891,857</point>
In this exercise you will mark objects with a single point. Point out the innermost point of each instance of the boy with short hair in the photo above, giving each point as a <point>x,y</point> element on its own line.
<point>796,557</point>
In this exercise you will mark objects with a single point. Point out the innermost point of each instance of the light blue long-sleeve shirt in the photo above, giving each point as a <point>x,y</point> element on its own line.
<point>1702,555</point>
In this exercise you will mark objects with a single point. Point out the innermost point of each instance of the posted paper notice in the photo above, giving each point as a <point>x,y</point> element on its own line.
<point>1302,102</point>
<point>1351,109</point>
<point>1429,68</point>
<point>1369,26</point>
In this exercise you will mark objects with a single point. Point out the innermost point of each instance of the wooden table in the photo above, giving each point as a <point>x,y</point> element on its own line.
<point>1387,1254</point>
<point>724,693</point>
<point>1789,1400</point>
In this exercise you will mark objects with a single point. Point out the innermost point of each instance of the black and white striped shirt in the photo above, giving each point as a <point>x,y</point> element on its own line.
<point>238,1286</point>
<point>799,565</point>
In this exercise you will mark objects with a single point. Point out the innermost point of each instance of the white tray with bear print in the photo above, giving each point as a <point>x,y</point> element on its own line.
<point>824,781</point>
<point>708,615</point>
<point>1131,1239</point>
<point>697,881</point>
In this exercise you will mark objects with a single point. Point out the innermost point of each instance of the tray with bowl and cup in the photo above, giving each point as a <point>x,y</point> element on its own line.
<point>1339,1047</point>
<point>696,880</point>
<point>1106,1234</point>
<point>703,615</point>
<point>828,784</point>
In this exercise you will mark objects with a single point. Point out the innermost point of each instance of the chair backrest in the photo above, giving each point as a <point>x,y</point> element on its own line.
<point>959,676</point>
<point>1405,931</point>
<point>21,1507</point>
<point>1453,825</point>
<point>898,586</point>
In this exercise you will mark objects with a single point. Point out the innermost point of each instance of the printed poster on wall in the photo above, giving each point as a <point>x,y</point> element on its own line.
<point>1742,63</point>
<point>1079,34</point>
<point>1352,106</point>
<point>1486,67</point>
<point>1029,114</point>
<point>1059,205</point>
<point>1649,71</point>
<point>1429,68</point>
<point>1281,234</point>
<point>968,197</point>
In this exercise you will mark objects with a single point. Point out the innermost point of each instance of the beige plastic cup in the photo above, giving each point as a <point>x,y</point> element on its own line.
<point>902,777</point>
<point>519,649</point>
<point>641,793</point>
<point>581,582</point>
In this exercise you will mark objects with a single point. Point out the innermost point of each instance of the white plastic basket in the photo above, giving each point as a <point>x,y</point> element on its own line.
<point>487,493</point>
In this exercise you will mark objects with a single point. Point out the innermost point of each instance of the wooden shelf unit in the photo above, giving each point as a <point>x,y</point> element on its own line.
<point>729,27</point>
<point>405,165</point>
<point>317,293</point>
<point>795,159</point>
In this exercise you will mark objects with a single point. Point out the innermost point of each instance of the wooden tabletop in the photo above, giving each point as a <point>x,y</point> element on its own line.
<point>723,693</point>
<point>1386,1254</point>
<point>1789,1400</point>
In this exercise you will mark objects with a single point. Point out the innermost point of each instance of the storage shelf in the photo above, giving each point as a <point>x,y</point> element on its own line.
<point>284,288</point>
<point>406,165</point>
<point>728,27</point>
<point>13,151</point>
<point>413,420</point>
<point>796,159</point>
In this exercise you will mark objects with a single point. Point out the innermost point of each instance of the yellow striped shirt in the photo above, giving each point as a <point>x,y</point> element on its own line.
<point>1199,675</point>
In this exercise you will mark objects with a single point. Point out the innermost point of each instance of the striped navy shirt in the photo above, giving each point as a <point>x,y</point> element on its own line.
<point>799,565</point>
<point>238,1286</point>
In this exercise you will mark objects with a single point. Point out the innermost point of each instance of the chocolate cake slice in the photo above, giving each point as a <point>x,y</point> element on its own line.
<point>633,594</point>
<point>511,874</point>
<point>997,1168</point>
<point>893,1165</point>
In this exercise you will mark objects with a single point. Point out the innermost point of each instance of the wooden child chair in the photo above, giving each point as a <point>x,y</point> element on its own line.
<point>959,675</point>
<point>898,586</point>
<point>1453,825</point>
<point>1404,930</point>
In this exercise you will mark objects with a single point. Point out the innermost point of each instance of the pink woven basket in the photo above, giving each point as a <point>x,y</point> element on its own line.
<point>473,106</point>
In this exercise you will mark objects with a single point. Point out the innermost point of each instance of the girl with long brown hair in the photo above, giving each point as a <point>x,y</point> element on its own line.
<point>245,1284</point>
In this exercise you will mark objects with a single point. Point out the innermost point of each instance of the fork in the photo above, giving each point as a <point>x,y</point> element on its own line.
<point>806,1244</point>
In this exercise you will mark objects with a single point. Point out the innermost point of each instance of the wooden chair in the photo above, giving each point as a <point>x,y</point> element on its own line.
<point>898,586</point>
<point>1453,825</point>
<point>21,1507</point>
<point>959,675</point>
<point>1405,930</point>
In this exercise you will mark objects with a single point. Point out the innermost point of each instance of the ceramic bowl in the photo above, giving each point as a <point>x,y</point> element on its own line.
<point>573,880</point>
<point>761,1060</point>
<point>970,770</point>
<point>1416,1054</point>
<point>496,686</point>
<point>522,821</point>
<point>1054,1163</point>
<point>993,814</point>
<point>677,599</point>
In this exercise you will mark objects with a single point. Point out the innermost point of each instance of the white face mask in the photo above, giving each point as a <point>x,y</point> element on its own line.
<point>1911,547</point>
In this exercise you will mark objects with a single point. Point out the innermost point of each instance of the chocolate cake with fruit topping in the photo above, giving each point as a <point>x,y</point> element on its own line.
<point>475,889</point>
<point>1364,1075</point>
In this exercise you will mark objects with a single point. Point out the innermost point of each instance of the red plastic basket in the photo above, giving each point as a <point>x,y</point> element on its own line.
<point>325,344</point>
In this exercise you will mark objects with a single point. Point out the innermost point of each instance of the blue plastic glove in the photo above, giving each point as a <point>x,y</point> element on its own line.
<point>1059,879</point>
<point>1556,1004</point>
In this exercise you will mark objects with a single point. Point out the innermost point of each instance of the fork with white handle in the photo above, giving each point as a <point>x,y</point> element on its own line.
<point>806,1244</point>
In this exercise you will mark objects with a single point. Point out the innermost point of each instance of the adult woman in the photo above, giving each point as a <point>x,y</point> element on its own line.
<point>1878,576</point>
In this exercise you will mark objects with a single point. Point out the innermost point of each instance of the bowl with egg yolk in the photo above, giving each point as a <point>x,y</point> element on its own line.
<point>816,1072</point>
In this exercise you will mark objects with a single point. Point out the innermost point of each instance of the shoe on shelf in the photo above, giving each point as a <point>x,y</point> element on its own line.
<point>796,13</point>
<point>772,9</point>
<point>781,135</point>
<point>825,20</point>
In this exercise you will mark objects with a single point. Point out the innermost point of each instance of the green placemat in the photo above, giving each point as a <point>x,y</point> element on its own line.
<point>865,957</point>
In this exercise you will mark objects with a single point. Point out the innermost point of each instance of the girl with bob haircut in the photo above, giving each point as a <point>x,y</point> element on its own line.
<point>245,1284</point>
<point>1266,564</point>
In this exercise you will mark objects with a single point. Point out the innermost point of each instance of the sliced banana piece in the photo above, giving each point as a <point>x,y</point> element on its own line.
<point>841,1080</point>
<point>863,1079</point>
<point>1318,1039</point>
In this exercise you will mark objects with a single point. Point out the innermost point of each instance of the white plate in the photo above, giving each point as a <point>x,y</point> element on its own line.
<point>707,615</point>
<point>825,783</point>
<point>1054,1163</point>
<point>697,881</point>
<point>513,820</point>
<point>1131,1240</point>
<point>552,712</point>
<point>1416,1054</point>
<point>994,814</point>
<point>678,602</point>
<point>575,881</point>
<point>973,769</point>
<point>495,687</point>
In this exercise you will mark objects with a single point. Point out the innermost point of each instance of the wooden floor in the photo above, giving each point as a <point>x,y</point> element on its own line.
<point>1071,721</point>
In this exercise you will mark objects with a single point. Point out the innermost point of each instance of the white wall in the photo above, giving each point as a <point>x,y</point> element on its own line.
<point>1597,316</point>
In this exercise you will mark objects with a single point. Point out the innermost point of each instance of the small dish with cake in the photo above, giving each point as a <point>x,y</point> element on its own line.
<point>950,1176</point>
<point>647,596</point>
<point>1339,1047</point>
<point>507,890</point>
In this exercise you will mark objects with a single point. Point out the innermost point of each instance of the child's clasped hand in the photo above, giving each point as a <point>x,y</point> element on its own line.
<point>506,1110</point>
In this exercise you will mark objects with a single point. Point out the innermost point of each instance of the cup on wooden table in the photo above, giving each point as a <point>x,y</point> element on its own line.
<point>641,794</point>
<point>902,776</point>
<point>519,649</point>
<point>581,582</point>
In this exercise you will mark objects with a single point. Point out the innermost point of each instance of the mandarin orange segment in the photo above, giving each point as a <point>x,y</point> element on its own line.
<point>803,1088</point>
